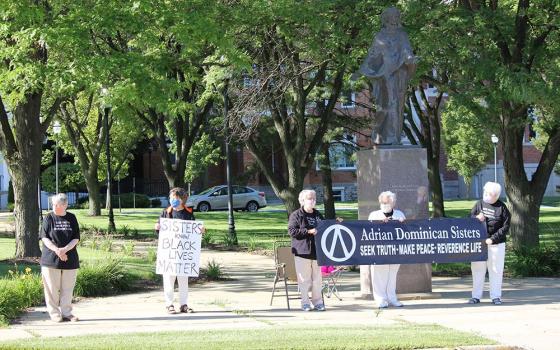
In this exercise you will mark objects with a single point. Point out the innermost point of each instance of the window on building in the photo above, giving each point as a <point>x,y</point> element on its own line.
<point>348,99</point>
<point>342,153</point>
<point>338,194</point>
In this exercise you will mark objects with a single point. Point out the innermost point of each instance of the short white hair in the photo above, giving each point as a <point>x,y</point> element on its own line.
<point>304,194</point>
<point>59,198</point>
<point>493,188</point>
<point>388,194</point>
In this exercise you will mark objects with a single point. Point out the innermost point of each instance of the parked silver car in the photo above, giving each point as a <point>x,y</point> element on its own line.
<point>216,198</point>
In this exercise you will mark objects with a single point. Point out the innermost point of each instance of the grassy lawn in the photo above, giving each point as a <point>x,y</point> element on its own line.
<point>402,336</point>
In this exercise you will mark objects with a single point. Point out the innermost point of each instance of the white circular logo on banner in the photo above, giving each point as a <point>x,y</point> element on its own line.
<point>338,240</point>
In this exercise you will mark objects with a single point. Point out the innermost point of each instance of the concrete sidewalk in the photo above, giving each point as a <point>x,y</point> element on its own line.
<point>528,318</point>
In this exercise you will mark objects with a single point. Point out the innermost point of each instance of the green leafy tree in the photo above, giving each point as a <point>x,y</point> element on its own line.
<point>35,73</point>
<point>204,153</point>
<point>69,176</point>
<point>84,137</point>
<point>300,54</point>
<point>468,145</point>
<point>169,48</point>
<point>504,54</point>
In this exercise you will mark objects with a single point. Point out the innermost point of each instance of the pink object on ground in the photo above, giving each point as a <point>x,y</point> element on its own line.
<point>326,270</point>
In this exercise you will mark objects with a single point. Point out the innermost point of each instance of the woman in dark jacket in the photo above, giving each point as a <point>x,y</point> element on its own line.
<point>494,213</point>
<point>302,228</point>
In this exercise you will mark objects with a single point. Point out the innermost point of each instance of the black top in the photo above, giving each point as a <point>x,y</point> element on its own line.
<point>60,230</point>
<point>184,214</point>
<point>497,219</point>
<point>303,244</point>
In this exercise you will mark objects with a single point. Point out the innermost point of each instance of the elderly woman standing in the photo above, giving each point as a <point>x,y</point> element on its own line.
<point>384,277</point>
<point>494,213</point>
<point>302,228</point>
<point>60,234</point>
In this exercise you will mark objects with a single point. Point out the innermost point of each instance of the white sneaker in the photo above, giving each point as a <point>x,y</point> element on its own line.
<point>383,305</point>
<point>396,303</point>
<point>57,319</point>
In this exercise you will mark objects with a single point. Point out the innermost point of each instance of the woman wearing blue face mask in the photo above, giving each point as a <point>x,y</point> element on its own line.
<point>176,210</point>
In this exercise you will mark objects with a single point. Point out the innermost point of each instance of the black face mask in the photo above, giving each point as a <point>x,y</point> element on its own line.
<point>388,215</point>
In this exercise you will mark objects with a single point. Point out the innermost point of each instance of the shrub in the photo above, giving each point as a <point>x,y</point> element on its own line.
<point>152,255</point>
<point>542,261</point>
<point>214,270</point>
<point>252,244</point>
<point>128,248</point>
<point>106,244</point>
<point>228,240</point>
<point>124,230</point>
<point>451,269</point>
<point>206,240</point>
<point>94,243</point>
<point>18,292</point>
<point>104,278</point>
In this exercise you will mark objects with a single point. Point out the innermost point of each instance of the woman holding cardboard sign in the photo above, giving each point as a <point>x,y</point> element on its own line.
<point>177,210</point>
<point>384,277</point>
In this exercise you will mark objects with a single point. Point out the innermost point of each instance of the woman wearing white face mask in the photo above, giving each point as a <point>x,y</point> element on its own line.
<point>496,216</point>
<point>302,228</point>
<point>384,277</point>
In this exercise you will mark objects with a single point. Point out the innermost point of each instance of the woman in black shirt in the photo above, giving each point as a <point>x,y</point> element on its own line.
<point>60,235</point>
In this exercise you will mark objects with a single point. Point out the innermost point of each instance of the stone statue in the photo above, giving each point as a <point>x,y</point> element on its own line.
<point>389,66</point>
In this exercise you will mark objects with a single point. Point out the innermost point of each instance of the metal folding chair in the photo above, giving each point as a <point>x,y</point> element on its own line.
<point>330,280</point>
<point>285,268</point>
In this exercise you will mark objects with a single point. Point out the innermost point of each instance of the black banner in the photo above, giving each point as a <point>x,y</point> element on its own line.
<point>364,242</point>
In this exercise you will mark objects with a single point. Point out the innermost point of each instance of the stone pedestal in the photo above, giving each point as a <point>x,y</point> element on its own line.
<point>403,171</point>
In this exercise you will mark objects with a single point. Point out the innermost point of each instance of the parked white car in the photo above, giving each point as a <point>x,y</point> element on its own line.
<point>216,198</point>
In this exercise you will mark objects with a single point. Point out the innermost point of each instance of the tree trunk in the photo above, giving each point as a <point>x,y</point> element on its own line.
<point>21,147</point>
<point>438,209</point>
<point>26,209</point>
<point>290,198</point>
<point>326,176</point>
<point>93,190</point>
<point>525,196</point>
<point>525,212</point>
<point>429,136</point>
